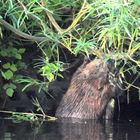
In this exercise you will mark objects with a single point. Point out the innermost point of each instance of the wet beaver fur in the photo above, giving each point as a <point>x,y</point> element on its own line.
<point>89,92</point>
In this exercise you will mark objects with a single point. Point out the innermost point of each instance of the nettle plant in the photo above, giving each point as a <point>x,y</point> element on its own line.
<point>11,64</point>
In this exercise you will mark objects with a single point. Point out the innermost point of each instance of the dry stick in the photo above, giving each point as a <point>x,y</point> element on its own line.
<point>20,33</point>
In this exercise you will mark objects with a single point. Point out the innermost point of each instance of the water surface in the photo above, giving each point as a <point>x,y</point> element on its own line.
<point>70,130</point>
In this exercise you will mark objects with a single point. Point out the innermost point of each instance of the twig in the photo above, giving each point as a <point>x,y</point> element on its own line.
<point>82,12</point>
<point>20,33</point>
<point>25,113</point>
<point>51,18</point>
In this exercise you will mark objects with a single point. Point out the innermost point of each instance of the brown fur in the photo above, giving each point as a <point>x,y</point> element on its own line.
<point>89,92</point>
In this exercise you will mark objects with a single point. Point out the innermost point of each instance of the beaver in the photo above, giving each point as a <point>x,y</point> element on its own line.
<point>89,92</point>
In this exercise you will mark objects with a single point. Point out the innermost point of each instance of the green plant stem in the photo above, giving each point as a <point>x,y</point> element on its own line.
<point>51,18</point>
<point>25,113</point>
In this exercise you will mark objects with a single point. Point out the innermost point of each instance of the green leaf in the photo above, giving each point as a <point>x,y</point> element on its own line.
<point>6,65</point>
<point>22,50</point>
<point>53,67</point>
<point>13,67</point>
<point>3,75</point>
<point>137,2</point>
<point>11,85</point>
<point>10,92</point>
<point>13,50</point>
<point>3,53</point>
<point>8,74</point>
<point>60,75</point>
<point>5,86</point>
<point>18,56</point>
<point>21,65</point>
<point>50,77</point>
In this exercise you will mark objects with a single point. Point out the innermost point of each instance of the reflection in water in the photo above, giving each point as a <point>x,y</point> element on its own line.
<point>82,130</point>
<point>69,130</point>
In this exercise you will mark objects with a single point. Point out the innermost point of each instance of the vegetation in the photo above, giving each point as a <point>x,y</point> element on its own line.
<point>108,28</point>
<point>10,67</point>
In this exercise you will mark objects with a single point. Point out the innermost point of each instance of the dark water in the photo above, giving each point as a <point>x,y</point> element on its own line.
<point>70,130</point>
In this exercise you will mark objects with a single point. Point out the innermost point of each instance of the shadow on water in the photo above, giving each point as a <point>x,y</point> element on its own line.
<point>70,130</point>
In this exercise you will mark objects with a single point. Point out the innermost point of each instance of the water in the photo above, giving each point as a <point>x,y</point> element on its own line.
<point>70,130</point>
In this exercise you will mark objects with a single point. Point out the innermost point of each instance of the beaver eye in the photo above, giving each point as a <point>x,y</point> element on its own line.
<point>97,66</point>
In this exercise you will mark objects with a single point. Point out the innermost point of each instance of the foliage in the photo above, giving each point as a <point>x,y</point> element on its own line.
<point>32,117</point>
<point>11,65</point>
<point>108,28</point>
<point>48,69</point>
